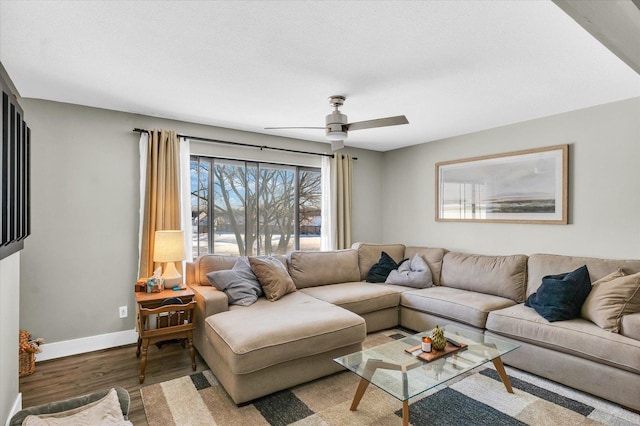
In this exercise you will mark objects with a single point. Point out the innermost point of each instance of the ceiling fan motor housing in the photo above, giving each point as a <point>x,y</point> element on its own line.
<point>335,126</point>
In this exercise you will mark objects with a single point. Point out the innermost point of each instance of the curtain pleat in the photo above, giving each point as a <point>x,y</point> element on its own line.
<point>327,234</point>
<point>341,184</point>
<point>161,208</point>
<point>185,197</point>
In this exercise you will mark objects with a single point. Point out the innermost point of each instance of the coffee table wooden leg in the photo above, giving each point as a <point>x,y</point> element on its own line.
<point>405,413</point>
<point>497,363</point>
<point>362,387</point>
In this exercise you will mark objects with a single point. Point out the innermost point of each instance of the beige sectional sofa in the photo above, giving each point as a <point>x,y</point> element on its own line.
<point>270,346</point>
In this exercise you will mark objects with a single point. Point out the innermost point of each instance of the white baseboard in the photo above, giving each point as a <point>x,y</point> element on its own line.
<point>17,406</point>
<point>86,344</point>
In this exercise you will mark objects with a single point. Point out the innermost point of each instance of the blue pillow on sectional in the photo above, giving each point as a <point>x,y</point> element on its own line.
<point>239,283</point>
<point>560,297</point>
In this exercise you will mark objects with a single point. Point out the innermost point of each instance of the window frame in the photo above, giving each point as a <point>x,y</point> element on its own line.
<point>211,214</point>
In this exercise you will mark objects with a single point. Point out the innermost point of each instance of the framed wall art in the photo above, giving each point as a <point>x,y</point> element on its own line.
<point>520,187</point>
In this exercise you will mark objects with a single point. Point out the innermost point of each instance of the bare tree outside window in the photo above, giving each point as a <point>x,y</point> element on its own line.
<point>248,208</point>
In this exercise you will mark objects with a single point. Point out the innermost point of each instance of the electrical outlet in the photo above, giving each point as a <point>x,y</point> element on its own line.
<point>123,311</point>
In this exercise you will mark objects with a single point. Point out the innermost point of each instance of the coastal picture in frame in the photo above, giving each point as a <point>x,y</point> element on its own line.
<point>519,187</point>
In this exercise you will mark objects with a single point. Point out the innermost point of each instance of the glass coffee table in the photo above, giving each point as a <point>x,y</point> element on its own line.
<point>403,375</point>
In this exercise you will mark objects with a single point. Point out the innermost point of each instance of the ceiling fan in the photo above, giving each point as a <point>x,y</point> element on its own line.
<point>337,128</point>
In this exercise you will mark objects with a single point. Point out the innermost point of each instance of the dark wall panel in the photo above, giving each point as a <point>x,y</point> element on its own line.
<point>14,175</point>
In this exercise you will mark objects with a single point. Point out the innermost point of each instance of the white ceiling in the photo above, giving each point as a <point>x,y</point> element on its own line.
<point>452,67</point>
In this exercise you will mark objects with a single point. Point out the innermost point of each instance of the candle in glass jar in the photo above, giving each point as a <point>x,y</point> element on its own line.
<point>426,344</point>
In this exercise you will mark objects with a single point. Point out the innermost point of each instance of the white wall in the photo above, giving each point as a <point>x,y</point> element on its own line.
<point>604,187</point>
<point>80,263</point>
<point>9,316</point>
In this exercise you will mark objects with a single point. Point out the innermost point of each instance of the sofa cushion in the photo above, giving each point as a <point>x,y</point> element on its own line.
<point>273,277</point>
<point>381,270</point>
<point>560,297</point>
<point>368,254</point>
<point>412,273</point>
<point>577,337</point>
<point>239,283</point>
<point>540,265</point>
<point>359,297</point>
<point>269,333</point>
<point>433,257</point>
<point>503,276</point>
<point>463,306</point>
<point>610,300</point>
<point>313,268</point>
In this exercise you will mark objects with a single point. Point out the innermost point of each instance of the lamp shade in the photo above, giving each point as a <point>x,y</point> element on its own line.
<point>169,246</point>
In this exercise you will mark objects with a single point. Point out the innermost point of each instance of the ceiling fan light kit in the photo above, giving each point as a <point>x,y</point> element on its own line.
<point>335,131</point>
<point>337,127</point>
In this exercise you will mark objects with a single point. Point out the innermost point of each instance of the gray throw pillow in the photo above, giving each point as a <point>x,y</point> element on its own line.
<point>412,273</point>
<point>239,283</point>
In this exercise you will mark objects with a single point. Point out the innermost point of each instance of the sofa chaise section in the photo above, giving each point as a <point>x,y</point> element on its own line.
<point>256,348</point>
<point>269,346</point>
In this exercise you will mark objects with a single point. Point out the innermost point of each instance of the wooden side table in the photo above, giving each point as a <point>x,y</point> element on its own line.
<point>157,323</point>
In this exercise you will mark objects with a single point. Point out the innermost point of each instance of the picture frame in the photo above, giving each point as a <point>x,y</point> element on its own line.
<point>529,186</point>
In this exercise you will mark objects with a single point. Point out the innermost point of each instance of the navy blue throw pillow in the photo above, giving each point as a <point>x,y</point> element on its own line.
<point>560,297</point>
<point>381,270</point>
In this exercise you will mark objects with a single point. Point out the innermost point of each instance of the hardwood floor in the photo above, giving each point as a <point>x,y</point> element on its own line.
<point>62,378</point>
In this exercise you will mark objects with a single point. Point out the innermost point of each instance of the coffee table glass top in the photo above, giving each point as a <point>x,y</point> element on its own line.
<point>404,376</point>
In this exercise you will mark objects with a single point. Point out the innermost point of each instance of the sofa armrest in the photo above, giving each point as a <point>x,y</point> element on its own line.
<point>209,300</point>
<point>630,326</point>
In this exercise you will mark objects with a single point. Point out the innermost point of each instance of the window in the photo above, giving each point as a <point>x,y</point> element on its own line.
<point>246,208</point>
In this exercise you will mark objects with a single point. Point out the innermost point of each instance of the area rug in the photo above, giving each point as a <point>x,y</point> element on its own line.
<point>477,398</point>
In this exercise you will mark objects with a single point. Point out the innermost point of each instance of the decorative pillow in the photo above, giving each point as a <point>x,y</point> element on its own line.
<point>560,297</point>
<point>105,411</point>
<point>273,277</point>
<point>380,271</point>
<point>414,273</point>
<point>610,300</point>
<point>612,276</point>
<point>239,283</point>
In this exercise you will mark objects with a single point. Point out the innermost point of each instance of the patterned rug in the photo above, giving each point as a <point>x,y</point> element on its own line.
<point>476,398</point>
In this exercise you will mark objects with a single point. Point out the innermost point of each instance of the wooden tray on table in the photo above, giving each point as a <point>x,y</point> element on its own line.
<point>433,355</point>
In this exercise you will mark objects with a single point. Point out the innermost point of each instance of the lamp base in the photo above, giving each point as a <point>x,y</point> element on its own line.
<point>171,276</point>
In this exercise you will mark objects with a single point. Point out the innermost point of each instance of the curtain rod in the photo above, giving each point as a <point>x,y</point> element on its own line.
<point>247,145</point>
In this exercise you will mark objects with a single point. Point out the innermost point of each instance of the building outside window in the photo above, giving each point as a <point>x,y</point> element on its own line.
<point>248,208</point>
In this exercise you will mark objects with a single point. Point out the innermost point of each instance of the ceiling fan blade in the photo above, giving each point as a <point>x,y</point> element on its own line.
<point>379,122</point>
<point>336,145</point>
<point>274,128</point>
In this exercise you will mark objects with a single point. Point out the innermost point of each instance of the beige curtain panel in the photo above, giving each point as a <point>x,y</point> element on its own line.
<point>162,194</point>
<point>341,182</point>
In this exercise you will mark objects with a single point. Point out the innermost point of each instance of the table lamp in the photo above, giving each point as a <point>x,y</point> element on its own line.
<point>169,249</point>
